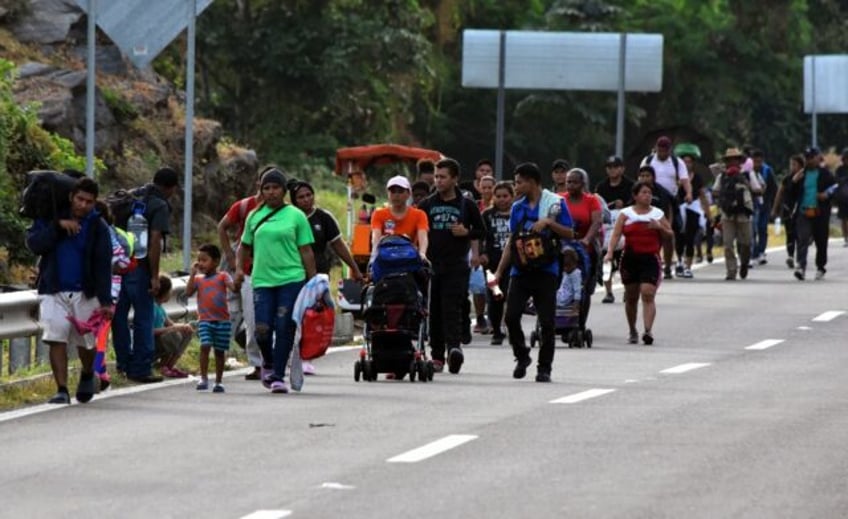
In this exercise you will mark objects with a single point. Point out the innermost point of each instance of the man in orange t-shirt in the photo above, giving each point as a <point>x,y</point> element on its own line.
<point>399,218</point>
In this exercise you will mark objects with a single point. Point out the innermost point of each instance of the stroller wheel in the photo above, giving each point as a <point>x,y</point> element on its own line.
<point>369,371</point>
<point>565,340</point>
<point>534,338</point>
<point>413,370</point>
<point>588,338</point>
<point>431,371</point>
<point>357,370</point>
<point>578,338</point>
<point>422,371</point>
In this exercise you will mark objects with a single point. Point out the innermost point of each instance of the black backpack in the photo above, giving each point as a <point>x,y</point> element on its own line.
<point>47,194</point>
<point>532,251</point>
<point>123,202</point>
<point>732,194</point>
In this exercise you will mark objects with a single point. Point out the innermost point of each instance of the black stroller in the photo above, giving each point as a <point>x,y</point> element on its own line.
<point>395,311</point>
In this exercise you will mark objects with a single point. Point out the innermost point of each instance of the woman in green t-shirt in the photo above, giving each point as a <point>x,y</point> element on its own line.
<point>279,238</point>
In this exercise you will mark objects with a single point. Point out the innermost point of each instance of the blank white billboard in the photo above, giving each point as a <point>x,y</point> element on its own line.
<point>562,60</point>
<point>831,84</point>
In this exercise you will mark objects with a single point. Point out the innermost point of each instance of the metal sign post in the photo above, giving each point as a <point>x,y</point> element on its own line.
<point>622,82</point>
<point>189,135</point>
<point>89,88</point>
<point>499,132</point>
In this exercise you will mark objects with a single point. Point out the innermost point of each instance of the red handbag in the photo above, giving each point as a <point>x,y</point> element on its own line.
<point>317,331</point>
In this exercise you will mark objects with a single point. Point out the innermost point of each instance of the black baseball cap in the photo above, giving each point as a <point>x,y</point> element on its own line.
<point>811,151</point>
<point>614,160</point>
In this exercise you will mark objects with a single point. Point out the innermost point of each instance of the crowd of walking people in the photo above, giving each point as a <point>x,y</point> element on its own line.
<point>496,250</point>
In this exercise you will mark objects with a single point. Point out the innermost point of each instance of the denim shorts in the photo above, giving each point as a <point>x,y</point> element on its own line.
<point>215,334</point>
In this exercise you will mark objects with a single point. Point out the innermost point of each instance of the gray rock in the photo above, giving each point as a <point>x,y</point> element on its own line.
<point>47,21</point>
<point>69,78</point>
<point>108,58</point>
<point>32,68</point>
<point>56,111</point>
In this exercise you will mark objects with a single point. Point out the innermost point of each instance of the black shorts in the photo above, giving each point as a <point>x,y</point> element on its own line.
<point>640,268</point>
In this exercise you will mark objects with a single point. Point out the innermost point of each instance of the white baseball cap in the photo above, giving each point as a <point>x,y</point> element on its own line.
<point>399,181</point>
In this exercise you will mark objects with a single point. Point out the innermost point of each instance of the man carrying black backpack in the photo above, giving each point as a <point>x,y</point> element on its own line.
<point>135,355</point>
<point>734,192</point>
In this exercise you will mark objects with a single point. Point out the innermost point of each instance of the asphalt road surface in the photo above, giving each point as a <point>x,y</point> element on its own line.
<point>739,409</point>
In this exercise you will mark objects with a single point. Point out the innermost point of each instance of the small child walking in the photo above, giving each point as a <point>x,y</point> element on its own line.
<point>213,326</point>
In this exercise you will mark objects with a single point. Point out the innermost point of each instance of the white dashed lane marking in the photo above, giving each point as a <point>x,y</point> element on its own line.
<point>764,345</point>
<point>432,449</point>
<point>828,316</point>
<point>268,514</point>
<point>683,368</point>
<point>579,397</point>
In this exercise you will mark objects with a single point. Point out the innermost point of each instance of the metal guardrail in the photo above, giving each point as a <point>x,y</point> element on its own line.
<point>19,322</point>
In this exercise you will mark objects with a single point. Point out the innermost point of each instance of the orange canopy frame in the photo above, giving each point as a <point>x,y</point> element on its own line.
<point>360,158</point>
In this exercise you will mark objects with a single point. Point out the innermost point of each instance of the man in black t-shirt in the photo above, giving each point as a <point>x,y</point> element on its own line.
<point>841,197</point>
<point>135,355</point>
<point>456,229</point>
<point>617,192</point>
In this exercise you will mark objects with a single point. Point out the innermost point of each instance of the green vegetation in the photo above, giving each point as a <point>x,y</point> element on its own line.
<point>120,106</point>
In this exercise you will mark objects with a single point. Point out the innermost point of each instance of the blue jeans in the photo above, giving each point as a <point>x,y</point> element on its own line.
<point>275,328</point>
<point>134,355</point>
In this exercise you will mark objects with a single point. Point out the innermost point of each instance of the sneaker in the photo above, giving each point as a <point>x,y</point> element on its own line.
<point>279,387</point>
<point>790,263</point>
<point>609,298</point>
<point>168,372</point>
<point>455,360</point>
<point>497,339</point>
<point>634,337</point>
<point>687,274</point>
<point>256,374</point>
<point>202,385</point>
<point>667,273</point>
<point>543,376</point>
<point>520,370</point>
<point>178,373</point>
<point>438,366</point>
<point>762,260</point>
<point>105,382</point>
<point>820,274</point>
<point>709,258</point>
<point>731,276</point>
<point>308,368</point>
<point>61,397</point>
<point>743,271</point>
<point>647,338</point>
<point>699,259</point>
<point>799,274</point>
<point>219,388</point>
<point>85,389</point>
<point>678,270</point>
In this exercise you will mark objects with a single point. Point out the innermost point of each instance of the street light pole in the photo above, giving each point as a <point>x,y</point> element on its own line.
<point>189,136</point>
<point>89,88</point>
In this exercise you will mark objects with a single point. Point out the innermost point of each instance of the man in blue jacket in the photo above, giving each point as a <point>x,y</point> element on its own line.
<point>74,280</point>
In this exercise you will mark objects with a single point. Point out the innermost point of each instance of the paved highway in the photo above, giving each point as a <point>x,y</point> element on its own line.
<point>739,409</point>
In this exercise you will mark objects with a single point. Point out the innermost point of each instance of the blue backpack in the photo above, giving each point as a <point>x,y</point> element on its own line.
<point>395,254</point>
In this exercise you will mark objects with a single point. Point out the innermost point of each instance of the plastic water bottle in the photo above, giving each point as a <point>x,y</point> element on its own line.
<point>493,285</point>
<point>137,225</point>
<point>778,227</point>
<point>831,190</point>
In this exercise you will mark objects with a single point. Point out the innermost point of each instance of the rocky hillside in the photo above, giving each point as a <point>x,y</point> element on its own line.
<point>140,121</point>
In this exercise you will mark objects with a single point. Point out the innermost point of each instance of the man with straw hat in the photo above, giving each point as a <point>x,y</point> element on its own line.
<point>733,193</point>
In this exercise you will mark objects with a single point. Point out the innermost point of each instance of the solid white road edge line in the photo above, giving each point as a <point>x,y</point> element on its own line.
<point>268,514</point>
<point>763,345</point>
<point>432,449</point>
<point>584,395</point>
<point>683,368</point>
<point>828,316</point>
<point>112,393</point>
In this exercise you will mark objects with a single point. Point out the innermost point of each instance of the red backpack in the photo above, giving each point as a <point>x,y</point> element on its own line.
<point>317,331</point>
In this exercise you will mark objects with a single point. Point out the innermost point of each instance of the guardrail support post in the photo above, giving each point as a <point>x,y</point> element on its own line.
<point>42,351</point>
<point>20,353</point>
